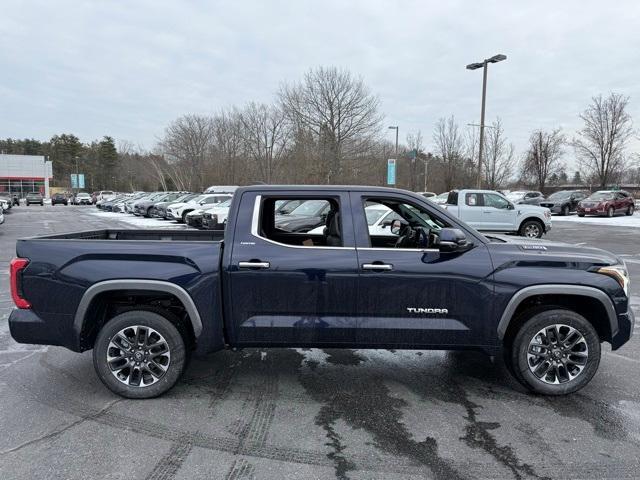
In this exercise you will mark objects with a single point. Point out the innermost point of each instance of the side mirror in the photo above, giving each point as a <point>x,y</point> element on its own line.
<point>510,206</point>
<point>452,240</point>
<point>386,223</point>
<point>396,227</point>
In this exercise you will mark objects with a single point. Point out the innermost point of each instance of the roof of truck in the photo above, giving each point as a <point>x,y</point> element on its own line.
<point>345,188</point>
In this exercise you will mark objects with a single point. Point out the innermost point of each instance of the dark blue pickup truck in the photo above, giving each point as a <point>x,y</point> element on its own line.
<point>416,278</point>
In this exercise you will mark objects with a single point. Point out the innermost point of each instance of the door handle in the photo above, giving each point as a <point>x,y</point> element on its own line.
<point>254,264</point>
<point>377,266</point>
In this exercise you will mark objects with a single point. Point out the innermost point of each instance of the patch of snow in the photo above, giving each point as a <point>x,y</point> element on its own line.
<point>617,221</point>
<point>139,222</point>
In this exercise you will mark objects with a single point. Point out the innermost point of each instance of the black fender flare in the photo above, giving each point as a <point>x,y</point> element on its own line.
<point>557,289</point>
<point>136,284</point>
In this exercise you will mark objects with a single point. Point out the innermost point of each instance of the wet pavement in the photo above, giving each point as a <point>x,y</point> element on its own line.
<point>310,413</point>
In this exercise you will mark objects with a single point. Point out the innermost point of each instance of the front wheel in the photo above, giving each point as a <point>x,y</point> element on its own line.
<point>555,352</point>
<point>139,354</point>
<point>531,229</point>
<point>630,210</point>
<point>565,210</point>
<point>610,212</point>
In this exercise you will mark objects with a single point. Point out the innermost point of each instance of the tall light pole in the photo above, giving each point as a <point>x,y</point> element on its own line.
<point>475,66</point>
<point>396,129</point>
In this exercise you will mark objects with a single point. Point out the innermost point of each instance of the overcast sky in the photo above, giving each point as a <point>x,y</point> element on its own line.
<point>127,68</point>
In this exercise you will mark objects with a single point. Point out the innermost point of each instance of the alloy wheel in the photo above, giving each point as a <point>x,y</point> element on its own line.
<point>138,356</point>
<point>532,230</point>
<point>557,354</point>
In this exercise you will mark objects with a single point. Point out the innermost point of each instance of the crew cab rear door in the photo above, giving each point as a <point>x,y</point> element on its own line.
<point>291,288</point>
<point>411,297</point>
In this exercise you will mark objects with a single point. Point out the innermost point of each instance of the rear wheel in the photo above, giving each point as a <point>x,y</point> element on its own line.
<point>610,212</point>
<point>139,354</point>
<point>630,210</point>
<point>531,229</point>
<point>555,352</point>
<point>565,210</point>
<point>581,214</point>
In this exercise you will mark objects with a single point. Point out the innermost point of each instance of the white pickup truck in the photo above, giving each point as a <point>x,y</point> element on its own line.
<point>490,211</point>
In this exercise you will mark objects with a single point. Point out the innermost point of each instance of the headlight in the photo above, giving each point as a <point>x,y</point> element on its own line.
<point>547,213</point>
<point>619,274</point>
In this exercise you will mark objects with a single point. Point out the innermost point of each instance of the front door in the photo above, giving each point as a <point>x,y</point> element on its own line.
<point>500,213</point>
<point>290,288</point>
<point>420,297</point>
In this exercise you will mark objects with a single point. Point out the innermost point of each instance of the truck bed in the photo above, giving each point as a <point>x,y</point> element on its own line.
<point>141,234</point>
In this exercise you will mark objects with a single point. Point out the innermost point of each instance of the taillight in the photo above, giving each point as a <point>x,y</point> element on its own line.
<point>15,269</point>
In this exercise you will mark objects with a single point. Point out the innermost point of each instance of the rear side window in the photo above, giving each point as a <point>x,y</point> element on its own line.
<point>473,199</point>
<point>309,222</point>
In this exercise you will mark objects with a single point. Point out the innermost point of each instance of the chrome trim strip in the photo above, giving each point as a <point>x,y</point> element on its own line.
<point>423,250</point>
<point>377,266</point>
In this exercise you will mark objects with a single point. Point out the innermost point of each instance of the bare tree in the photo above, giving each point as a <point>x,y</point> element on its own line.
<point>601,144</point>
<point>337,108</point>
<point>542,159</point>
<point>449,147</point>
<point>188,141</point>
<point>228,139</point>
<point>265,137</point>
<point>499,157</point>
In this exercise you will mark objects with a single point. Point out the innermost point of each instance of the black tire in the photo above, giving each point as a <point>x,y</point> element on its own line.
<point>168,331</point>
<point>566,210</point>
<point>531,229</point>
<point>630,210</point>
<point>581,214</point>
<point>610,212</point>
<point>517,360</point>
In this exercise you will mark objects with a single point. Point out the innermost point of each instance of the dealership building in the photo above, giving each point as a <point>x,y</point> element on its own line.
<point>22,174</point>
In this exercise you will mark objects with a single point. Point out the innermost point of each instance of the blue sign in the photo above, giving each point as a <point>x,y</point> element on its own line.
<point>77,181</point>
<point>391,171</point>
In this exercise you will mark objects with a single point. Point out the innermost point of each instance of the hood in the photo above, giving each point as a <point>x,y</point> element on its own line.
<point>523,207</point>
<point>181,204</point>
<point>511,248</point>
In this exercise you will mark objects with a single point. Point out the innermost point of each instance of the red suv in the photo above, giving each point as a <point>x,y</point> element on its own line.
<point>607,202</point>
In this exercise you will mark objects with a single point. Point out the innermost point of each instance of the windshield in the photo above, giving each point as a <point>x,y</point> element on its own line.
<point>187,197</point>
<point>559,195</point>
<point>601,196</point>
<point>310,208</point>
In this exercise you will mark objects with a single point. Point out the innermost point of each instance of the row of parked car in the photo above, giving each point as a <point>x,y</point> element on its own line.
<point>207,210</point>
<point>603,202</point>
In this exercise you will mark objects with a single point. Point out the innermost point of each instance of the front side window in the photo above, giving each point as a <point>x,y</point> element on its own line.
<point>413,218</point>
<point>495,201</point>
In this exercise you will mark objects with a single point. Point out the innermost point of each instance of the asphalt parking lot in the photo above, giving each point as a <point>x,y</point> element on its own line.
<point>357,414</point>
